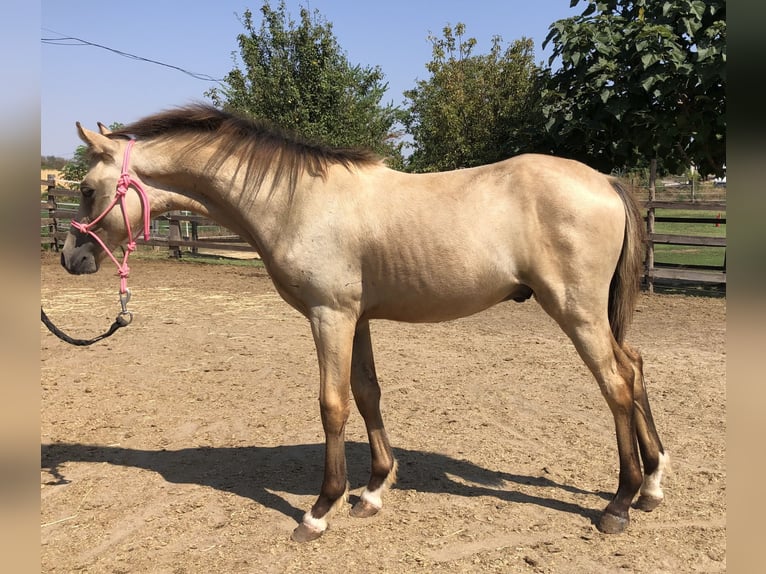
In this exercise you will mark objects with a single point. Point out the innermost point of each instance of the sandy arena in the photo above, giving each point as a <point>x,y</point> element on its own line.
<point>190,441</point>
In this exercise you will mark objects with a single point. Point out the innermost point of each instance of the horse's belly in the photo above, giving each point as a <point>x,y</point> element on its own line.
<point>430,305</point>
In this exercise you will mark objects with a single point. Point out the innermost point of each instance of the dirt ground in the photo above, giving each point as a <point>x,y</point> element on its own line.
<point>190,441</point>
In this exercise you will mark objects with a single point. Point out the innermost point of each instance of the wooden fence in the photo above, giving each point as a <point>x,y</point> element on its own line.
<point>664,273</point>
<point>690,273</point>
<point>177,231</point>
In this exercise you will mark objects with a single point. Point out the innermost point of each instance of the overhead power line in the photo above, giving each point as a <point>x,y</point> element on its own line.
<point>74,41</point>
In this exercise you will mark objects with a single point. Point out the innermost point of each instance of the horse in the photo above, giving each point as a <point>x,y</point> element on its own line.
<point>347,240</point>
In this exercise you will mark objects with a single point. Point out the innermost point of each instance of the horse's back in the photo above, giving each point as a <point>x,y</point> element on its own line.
<point>440,246</point>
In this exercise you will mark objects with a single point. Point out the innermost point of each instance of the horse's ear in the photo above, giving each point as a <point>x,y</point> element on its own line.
<point>98,143</point>
<point>105,131</point>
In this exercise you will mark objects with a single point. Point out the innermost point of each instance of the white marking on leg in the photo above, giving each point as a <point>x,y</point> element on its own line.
<point>320,524</point>
<point>315,524</point>
<point>651,487</point>
<point>375,497</point>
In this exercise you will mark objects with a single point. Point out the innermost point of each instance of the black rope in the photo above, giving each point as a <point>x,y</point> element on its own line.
<point>122,320</point>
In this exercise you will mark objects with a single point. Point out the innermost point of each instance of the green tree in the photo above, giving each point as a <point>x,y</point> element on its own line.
<point>638,81</point>
<point>77,167</point>
<point>296,76</point>
<point>473,109</point>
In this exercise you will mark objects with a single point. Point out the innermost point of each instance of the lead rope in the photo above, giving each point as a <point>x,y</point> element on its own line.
<point>123,184</point>
<point>120,321</point>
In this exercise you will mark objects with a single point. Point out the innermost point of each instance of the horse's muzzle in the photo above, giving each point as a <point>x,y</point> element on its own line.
<point>79,261</point>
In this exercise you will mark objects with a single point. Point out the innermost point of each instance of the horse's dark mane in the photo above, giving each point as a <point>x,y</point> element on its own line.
<point>258,144</point>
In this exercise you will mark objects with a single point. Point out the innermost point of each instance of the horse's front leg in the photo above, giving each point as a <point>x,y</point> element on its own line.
<point>333,335</point>
<point>364,385</point>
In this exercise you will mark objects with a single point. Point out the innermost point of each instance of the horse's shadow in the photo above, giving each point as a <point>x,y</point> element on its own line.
<point>256,472</point>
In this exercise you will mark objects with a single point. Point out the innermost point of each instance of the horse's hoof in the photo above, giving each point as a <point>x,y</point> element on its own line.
<point>647,503</point>
<point>363,509</point>
<point>304,533</point>
<point>612,524</point>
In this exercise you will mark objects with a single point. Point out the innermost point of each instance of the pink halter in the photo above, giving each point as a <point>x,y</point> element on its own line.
<point>123,184</point>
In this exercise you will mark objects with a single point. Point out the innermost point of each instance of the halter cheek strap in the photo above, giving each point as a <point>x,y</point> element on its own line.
<point>124,183</point>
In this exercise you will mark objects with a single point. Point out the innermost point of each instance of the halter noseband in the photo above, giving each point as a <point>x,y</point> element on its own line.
<point>123,184</point>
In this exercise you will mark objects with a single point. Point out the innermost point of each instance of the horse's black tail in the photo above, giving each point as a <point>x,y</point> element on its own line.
<point>626,281</point>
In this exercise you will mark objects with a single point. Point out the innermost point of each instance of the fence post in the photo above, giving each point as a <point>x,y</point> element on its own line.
<point>53,226</point>
<point>174,235</point>
<point>195,235</point>
<point>650,226</point>
<point>693,180</point>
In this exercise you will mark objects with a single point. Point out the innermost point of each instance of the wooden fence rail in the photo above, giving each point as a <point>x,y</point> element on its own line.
<point>166,232</point>
<point>686,273</point>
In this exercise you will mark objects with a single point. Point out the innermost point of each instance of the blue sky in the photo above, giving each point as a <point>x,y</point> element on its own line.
<point>89,84</point>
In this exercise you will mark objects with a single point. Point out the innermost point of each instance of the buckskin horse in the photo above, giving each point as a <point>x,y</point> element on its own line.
<point>346,240</point>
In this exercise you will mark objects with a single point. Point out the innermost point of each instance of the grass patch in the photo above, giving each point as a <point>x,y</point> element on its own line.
<point>702,229</point>
<point>690,255</point>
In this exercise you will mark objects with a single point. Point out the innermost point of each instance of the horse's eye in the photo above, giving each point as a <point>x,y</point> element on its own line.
<point>86,190</point>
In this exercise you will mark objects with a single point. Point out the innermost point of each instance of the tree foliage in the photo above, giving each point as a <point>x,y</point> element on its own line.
<point>640,80</point>
<point>473,109</point>
<point>296,76</point>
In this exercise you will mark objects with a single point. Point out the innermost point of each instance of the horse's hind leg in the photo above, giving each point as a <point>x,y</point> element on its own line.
<point>653,455</point>
<point>366,390</point>
<point>614,372</point>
